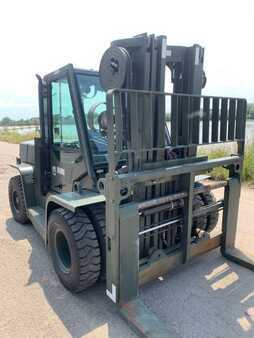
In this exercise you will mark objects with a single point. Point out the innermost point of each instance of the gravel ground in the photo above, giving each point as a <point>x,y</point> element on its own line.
<point>210,297</point>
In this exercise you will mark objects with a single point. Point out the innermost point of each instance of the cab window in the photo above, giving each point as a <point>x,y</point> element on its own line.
<point>94,103</point>
<point>64,127</point>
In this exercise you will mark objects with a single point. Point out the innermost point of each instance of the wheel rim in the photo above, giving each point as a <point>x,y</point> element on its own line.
<point>63,254</point>
<point>16,200</point>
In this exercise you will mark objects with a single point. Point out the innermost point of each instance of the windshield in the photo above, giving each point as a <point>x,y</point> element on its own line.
<point>94,104</point>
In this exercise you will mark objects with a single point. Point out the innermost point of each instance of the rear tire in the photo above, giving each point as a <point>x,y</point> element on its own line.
<point>17,200</point>
<point>74,249</point>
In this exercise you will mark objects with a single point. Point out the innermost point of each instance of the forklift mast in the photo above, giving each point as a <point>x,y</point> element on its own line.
<point>149,56</point>
<point>149,205</point>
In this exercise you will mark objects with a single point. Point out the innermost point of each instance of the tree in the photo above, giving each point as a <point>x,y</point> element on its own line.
<point>6,121</point>
<point>250,111</point>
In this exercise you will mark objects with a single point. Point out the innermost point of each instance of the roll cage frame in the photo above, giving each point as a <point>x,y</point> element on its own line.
<point>45,110</point>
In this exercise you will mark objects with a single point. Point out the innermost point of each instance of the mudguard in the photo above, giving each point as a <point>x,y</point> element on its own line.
<point>73,200</point>
<point>26,172</point>
<point>70,201</point>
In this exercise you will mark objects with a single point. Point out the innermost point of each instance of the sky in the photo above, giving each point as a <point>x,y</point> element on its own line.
<point>41,36</point>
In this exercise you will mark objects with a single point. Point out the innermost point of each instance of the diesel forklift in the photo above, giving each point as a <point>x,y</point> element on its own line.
<point>114,190</point>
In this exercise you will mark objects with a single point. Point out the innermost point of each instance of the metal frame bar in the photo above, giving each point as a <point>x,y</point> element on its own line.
<point>81,123</point>
<point>185,138</point>
<point>69,73</point>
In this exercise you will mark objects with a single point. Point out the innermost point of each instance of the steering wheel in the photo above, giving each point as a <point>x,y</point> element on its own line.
<point>103,123</point>
<point>88,91</point>
<point>102,118</point>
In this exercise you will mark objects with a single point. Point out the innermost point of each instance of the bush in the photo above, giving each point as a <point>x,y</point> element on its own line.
<point>15,137</point>
<point>221,173</point>
<point>250,111</point>
<point>248,164</point>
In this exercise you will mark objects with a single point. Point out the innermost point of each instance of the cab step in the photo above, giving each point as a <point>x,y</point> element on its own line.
<point>37,217</point>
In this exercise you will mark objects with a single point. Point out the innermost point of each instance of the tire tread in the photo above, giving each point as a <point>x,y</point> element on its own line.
<point>87,247</point>
<point>16,183</point>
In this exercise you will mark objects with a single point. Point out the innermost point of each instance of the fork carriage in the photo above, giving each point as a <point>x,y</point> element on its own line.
<point>149,204</point>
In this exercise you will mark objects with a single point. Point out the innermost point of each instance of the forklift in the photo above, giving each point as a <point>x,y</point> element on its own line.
<point>116,192</point>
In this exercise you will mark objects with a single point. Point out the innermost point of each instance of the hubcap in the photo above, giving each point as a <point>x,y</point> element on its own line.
<point>63,254</point>
<point>16,200</point>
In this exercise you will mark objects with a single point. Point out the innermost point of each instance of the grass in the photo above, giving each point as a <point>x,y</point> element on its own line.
<point>218,173</point>
<point>222,174</point>
<point>248,165</point>
<point>15,137</point>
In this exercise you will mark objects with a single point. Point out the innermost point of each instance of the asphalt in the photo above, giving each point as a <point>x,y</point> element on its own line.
<point>210,297</point>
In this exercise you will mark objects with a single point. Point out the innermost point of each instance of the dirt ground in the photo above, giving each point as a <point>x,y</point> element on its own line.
<point>210,297</point>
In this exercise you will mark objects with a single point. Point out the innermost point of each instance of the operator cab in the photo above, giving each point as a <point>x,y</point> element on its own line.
<point>74,126</point>
<point>73,129</point>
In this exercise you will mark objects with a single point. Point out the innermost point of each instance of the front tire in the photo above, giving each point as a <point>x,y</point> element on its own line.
<point>200,221</point>
<point>74,249</point>
<point>96,213</point>
<point>208,198</point>
<point>17,200</point>
<point>212,218</point>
